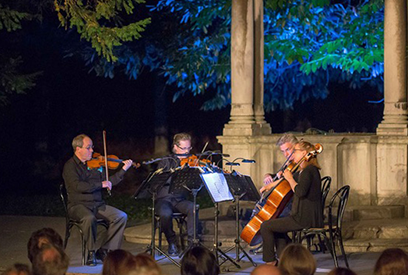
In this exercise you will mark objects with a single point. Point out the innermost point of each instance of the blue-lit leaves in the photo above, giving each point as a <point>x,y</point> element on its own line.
<point>308,44</point>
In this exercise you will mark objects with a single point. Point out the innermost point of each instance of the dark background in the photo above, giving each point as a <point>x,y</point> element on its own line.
<point>37,128</point>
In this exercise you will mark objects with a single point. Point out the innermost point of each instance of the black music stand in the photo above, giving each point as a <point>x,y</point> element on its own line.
<point>219,191</point>
<point>243,189</point>
<point>149,189</point>
<point>188,179</point>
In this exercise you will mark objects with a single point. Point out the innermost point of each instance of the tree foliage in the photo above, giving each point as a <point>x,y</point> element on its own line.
<point>308,44</point>
<point>100,23</point>
<point>12,80</point>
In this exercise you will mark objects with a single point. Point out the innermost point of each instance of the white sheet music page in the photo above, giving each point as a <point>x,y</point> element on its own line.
<point>217,187</point>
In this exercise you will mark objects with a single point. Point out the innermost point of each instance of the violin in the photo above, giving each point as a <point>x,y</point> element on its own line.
<point>113,162</point>
<point>194,161</point>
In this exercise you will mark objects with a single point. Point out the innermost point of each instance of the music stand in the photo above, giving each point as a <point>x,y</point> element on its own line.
<point>219,191</point>
<point>149,188</point>
<point>188,178</point>
<point>243,189</point>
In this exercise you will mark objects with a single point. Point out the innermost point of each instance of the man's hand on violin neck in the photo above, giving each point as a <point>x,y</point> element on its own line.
<point>127,164</point>
<point>107,184</point>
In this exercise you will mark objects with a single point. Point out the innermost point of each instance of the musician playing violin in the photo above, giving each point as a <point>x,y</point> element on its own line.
<point>166,202</point>
<point>85,204</point>
<point>306,207</point>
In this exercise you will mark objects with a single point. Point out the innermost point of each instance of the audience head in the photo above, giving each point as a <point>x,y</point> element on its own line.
<point>297,260</point>
<point>122,262</point>
<point>17,269</point>
<point>199,261</point>
<point>116,261</point>
<point>50,260</point>
<point>392,261</point>
<point>341,271</point>
<point>145,265</point>
<point>41,237</point>
<point>266,269</point>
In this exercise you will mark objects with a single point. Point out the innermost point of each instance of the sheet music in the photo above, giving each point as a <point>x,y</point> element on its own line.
<point>217,187</point>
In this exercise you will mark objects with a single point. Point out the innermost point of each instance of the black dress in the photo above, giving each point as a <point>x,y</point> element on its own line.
<point>306,212</point>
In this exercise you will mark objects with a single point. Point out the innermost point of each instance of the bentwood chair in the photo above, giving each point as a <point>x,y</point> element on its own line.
<point>325,188</point>
<point>71,223</point>
<point>331,233</point>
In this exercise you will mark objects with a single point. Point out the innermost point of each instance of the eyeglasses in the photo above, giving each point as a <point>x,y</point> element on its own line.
<point>184,148</point>
<point>89,147</point>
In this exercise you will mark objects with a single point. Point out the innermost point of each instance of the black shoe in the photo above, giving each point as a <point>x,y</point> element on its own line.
<point>173,250</point>
<point>91,258</point>
<point>101,254</point>
<point>257,250</point>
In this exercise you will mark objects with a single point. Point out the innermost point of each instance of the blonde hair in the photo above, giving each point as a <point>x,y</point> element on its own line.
<point>297,260</point>
<point>308,147</point>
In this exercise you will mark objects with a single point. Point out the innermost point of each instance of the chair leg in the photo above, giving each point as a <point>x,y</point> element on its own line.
<point>180,226</point>
<point>332,248</point>
<point>67,234</point>
<point>340,240</point>
<point>83,243</point>
<point>160,235</point>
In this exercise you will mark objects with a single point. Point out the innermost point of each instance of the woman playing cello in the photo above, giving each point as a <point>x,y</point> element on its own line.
<point>306,207</point>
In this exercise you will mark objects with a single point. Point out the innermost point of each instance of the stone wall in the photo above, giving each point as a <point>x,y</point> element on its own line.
<point>374,166</point>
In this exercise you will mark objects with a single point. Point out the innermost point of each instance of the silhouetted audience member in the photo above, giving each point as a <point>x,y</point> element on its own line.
<point>392,261</point>
<point>40,237</point>
<point>116,262</point>
<point>17,269</point>
<point>146,265</point>
<point>341,271</point>
<point>266,269</point>
<point>297,260</point>
<point>122,262</point>
<point>199,261</point>
<point>50,260</point>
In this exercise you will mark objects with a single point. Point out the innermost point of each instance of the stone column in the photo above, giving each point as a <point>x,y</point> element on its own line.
<point>246,69</point>
<point>392,147</point>
<point>259,68</point>
<point>395,118</point>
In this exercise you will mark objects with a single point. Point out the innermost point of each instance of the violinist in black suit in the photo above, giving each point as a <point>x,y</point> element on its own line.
<point>166,202</point>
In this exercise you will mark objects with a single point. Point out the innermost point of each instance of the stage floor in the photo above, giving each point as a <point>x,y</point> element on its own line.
<point>16,230</point>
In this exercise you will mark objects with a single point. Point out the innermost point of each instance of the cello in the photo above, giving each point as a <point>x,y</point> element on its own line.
<point>273,202</point>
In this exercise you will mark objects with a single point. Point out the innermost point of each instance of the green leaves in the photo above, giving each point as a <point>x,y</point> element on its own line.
<point>97,22</point>
<point>12,81</point>
<point>11,19</point>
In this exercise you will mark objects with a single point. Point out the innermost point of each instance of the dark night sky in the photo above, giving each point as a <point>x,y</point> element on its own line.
<point>37,128</point>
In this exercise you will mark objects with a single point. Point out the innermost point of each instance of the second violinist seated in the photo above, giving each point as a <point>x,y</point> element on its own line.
<point>306,207</point>
<point>166,202</point>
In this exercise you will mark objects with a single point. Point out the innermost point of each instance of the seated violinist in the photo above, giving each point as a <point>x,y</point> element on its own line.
<point>166,202</point>
<point>84,187</point>
<point>306,207</point>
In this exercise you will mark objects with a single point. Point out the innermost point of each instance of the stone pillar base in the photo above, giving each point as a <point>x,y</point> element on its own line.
<point>247,129</point>
<point>392,129</point>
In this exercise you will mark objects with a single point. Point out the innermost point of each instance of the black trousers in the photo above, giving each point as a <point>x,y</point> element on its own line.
<point>115,218</point>
<point>165,209</point>
<point>274,233</point>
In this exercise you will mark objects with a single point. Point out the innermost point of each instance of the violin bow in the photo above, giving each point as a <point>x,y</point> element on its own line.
<point>106,160</point>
